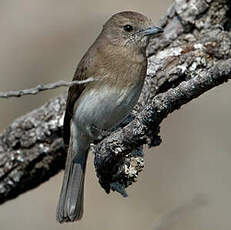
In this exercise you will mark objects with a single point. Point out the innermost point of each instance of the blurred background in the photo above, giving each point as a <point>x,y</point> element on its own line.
<point>186,182</point>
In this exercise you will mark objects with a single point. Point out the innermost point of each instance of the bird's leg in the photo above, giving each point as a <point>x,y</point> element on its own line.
<point>97,133</point>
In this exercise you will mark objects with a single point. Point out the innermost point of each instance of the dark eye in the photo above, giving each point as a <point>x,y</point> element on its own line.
<point>128,28</point>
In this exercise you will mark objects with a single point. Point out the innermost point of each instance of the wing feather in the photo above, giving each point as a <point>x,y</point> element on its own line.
<point>83,72</point>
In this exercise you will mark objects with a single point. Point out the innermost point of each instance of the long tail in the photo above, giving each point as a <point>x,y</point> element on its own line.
<point>70,205</point>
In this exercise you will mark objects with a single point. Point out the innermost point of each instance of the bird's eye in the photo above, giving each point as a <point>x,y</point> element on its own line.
<point>128,28</point>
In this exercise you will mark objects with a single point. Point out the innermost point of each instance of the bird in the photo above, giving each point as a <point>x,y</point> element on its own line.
<point>116,66</point>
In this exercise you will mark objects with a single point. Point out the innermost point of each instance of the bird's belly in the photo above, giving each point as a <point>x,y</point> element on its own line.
<point>104,108</point>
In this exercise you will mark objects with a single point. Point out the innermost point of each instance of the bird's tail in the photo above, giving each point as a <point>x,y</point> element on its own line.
<point>70,205</point>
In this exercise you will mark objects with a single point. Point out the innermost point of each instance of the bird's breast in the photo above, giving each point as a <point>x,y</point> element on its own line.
<point>105,107</point>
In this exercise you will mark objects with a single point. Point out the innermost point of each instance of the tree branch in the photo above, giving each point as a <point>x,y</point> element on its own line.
<point>40,88</point>
<point>193,56</point>
<point>112,150</point>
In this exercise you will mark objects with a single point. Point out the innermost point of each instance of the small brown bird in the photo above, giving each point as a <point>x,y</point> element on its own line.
<point>117,64</point>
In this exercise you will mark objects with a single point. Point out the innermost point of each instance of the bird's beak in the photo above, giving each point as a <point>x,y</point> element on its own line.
<point>153,31</point>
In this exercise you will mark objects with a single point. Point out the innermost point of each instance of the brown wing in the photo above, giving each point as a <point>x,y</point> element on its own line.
<point>83,71</point>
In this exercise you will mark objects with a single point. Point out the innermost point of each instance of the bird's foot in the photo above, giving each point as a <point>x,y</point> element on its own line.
<point>97,133</point>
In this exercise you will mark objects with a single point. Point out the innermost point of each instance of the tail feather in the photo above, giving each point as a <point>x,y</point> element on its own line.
<point>74,195</point>
<point>70,205</point>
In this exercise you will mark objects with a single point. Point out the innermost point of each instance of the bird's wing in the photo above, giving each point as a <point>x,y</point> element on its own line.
<point>82,73</point>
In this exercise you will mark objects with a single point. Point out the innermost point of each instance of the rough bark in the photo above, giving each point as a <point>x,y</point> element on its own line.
<point>193,56</point>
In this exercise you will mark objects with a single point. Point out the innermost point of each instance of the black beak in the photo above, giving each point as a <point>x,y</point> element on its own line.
<point>153,31</point>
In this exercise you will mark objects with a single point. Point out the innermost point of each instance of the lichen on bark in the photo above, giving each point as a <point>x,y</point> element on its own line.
<point>193,56</point>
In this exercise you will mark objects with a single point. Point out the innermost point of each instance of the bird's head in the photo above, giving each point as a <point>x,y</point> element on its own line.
<point>130,29</point>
